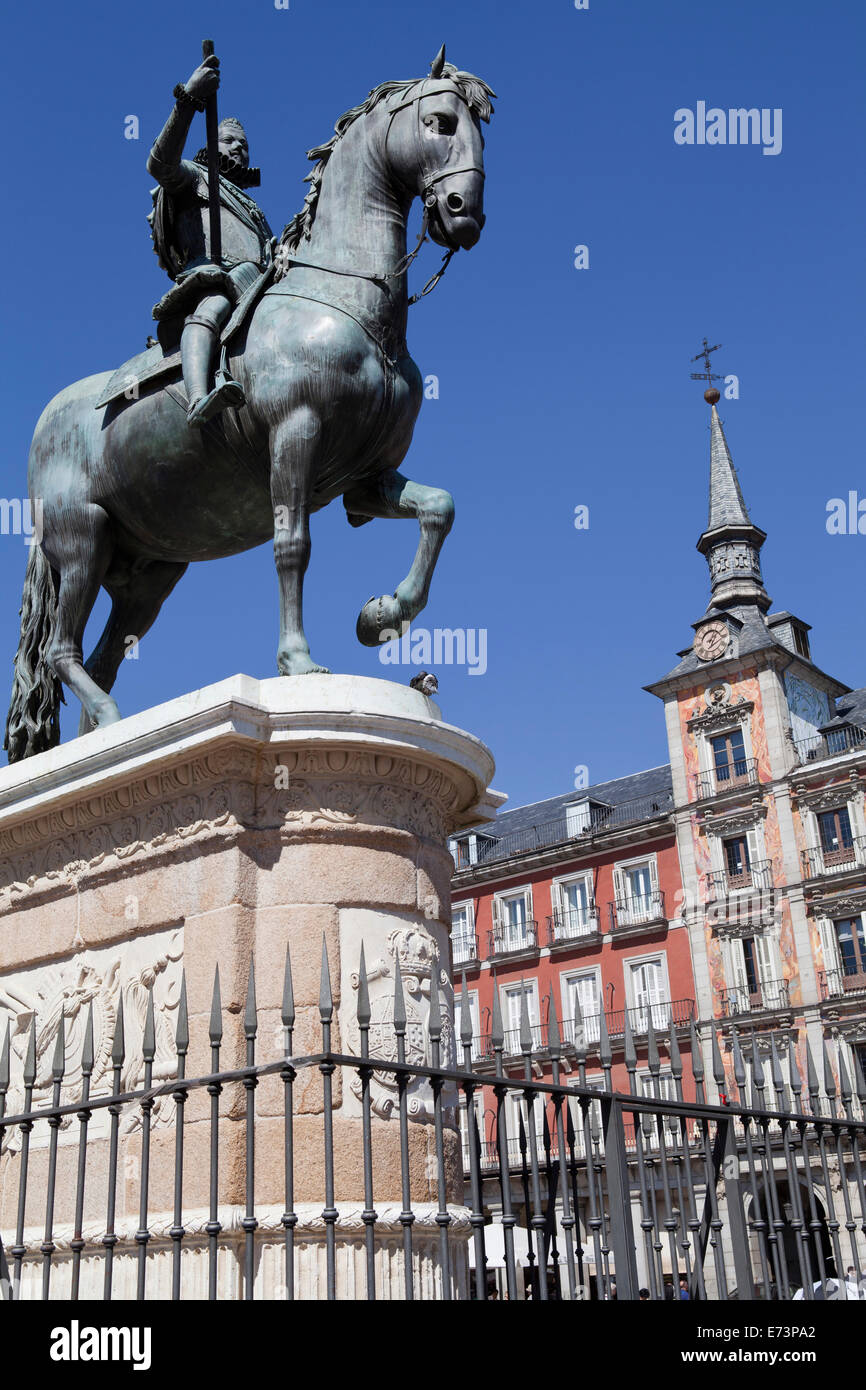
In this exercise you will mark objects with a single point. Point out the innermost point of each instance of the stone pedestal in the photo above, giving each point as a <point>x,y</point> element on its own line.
<point>237,821</point>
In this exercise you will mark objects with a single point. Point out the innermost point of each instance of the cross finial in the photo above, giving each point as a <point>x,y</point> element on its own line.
<point>711,395</point>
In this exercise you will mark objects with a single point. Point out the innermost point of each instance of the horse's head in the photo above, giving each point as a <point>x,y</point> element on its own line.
<point>435,147</point>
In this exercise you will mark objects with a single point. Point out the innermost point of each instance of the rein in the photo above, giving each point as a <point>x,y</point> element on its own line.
<point>430,179</point>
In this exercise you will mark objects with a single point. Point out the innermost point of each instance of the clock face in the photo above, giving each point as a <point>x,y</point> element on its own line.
<point>711,641</point>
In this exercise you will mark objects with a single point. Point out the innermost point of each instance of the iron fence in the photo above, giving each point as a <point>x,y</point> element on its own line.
<point>571,1189</point>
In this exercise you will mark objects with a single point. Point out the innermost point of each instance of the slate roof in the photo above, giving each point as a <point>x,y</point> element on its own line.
<point>727,507</point>
<point>850,709</point>
<point>653,785</point>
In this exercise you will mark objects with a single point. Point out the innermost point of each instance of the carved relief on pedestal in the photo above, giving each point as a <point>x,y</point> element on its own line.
<point>418,954</point>
<point>222,794</point>
<point>101,977</point>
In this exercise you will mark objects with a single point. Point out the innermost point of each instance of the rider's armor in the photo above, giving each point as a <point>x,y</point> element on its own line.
<point>203,292</point>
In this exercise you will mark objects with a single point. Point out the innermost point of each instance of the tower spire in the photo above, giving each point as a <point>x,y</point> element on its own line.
<point>731,543</point>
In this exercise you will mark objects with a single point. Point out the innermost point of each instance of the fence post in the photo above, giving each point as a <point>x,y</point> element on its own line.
<point>736,1214</point>
<point>619,1192</point>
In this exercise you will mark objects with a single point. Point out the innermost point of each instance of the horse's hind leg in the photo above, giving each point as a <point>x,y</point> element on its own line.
<point>391,495</point>
<point>136,598</point>
<point>79,548</point>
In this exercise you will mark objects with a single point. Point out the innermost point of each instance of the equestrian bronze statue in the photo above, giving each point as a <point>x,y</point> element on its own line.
<point>280,381</point>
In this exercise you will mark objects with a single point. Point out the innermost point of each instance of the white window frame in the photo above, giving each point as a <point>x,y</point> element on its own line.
<point>646,1088</point>
<point>557,888</point>
<point>706,757</point>
<point>530,987</point>
<point>757,853</point>
<point>625,915</point>
<point>595,1082</point>
<point>468,933</point>
<point>661,1010</point>
<point>507,895</point>
<point>475,1016</point>
<point>591,1035</point>
<point>768,960</point>
<point>851,802</point>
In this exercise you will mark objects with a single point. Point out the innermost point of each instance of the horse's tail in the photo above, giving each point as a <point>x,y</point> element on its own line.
<point>33,722</point>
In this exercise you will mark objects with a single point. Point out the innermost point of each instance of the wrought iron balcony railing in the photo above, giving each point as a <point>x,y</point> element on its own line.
<point>830,745</point>
<point>836,984</point>
<point>511,939</point>
<point>819,862</point>
<point>740,772</point>
<point>572,924</point>
<point>767,995</point>
<point>638,910</point>
<point>464,947</point>
<point>722,883</point>
<point>561,831</point>
<point>585,1032</point>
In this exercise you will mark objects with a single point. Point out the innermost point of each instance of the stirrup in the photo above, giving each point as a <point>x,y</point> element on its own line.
<point>226,395</point>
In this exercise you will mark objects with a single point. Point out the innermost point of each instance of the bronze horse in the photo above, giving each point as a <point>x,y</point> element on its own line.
<point>131,494</point>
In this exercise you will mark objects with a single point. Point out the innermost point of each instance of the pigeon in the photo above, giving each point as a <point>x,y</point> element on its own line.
<point>426,682</point>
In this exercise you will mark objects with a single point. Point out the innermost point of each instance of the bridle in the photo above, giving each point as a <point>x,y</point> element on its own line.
<point>430,178</point>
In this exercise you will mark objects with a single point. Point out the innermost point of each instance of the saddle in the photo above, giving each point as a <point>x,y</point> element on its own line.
<point>163,357</point>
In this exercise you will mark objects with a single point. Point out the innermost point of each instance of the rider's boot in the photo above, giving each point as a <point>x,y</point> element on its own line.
<point>198,346</point>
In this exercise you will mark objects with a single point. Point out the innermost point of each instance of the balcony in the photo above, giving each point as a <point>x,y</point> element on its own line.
<point>585,1034</point>
<point>513,939</point>
<point>552,833</point>
<point>830,745</point>
<point>731,776</point>
<point>637,914</point>
<point>574,926</point>
<point>767,996</point>
<point>723,884</point>
<point>844,859</point>
<point>464,947</point>
<point>836,984</point>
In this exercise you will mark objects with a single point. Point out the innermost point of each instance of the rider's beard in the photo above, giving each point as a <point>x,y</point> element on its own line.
<point>233,169</point>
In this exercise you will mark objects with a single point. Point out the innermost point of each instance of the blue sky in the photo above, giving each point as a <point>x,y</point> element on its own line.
<point>558,387</point>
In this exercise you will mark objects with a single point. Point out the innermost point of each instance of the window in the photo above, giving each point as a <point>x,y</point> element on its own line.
<point>738,861</point>
<point>578,817</point>
<point>511,1010</point>
<point>647,990</point>
<point>463,945</point>
<point>661,1088</point>
<point>576,913</point>
<point>729,757</point>
<point>801,641</point>
<point>754,985</point>
<point>477,1048</point>
<point>513,928</point>
<point>837,841</point>
<point>474,1132</point>
<point>851,942</point>
<point>581,998</point>
<point>636,889</point>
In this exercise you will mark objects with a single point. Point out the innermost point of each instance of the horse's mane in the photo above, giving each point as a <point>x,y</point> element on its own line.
<point>474,91</point>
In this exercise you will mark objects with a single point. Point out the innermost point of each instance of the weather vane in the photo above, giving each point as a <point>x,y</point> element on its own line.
<point>712,394</point>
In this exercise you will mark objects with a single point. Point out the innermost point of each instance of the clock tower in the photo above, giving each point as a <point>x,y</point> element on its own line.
<point>763,822</point>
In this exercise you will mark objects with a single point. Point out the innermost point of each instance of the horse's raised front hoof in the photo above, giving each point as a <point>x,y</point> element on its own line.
<point>99,717</point>
<point>381,620</point>
<point>300,664</point>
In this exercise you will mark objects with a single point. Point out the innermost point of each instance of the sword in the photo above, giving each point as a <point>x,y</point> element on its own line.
<point>213,166</point>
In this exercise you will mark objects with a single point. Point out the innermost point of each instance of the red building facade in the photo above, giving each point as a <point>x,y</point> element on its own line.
<point>575,904</point>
